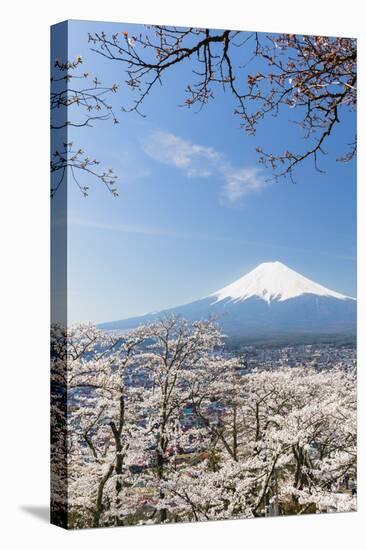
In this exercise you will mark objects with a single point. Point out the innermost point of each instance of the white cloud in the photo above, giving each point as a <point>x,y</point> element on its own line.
<point>243,181</point>
<point>194,160</point>
<point>198,161</point>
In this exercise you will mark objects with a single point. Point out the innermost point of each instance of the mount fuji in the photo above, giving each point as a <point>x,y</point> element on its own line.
<point>272,302</point>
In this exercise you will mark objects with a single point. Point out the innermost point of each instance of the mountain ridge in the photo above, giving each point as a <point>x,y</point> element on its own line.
<point>270,299</point>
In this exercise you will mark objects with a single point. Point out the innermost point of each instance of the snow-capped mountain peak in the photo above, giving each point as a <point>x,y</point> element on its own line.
<point>273,281</point>
<point>284,305</point>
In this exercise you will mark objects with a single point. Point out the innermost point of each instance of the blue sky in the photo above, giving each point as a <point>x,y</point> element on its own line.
<point>195,209</point>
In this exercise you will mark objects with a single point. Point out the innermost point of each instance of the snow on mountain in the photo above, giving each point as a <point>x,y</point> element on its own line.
<point>271,302</point>
<point>273,281</point>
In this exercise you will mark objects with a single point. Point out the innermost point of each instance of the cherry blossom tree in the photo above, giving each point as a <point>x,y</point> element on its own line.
<point>93,436</point>
<point>74,105</point>
<point>295,449</point>
<point>311,80</point>
<point>177,359</point>
<point>161,424</point>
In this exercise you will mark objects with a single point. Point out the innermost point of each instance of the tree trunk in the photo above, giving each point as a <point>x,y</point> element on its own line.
<point>99,502</point>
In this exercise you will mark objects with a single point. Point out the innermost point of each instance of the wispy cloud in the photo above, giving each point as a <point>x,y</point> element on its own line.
<point>186,235</point>
<point>198,161</point>
<point>127,165</point>
<point>243,181</point>
<point>194,160</point>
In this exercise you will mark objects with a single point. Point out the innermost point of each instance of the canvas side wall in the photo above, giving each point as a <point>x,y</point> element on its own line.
<point>59,137</point>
